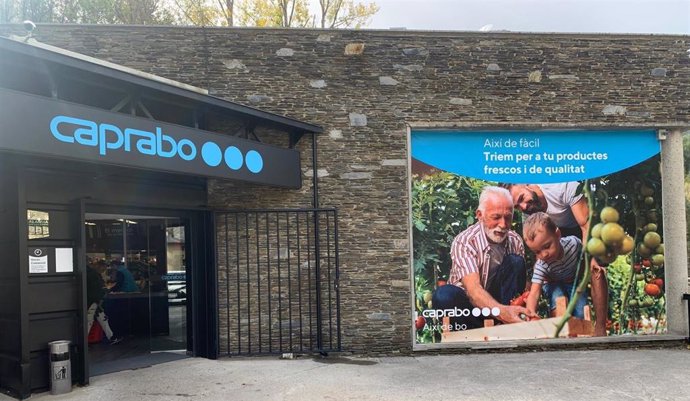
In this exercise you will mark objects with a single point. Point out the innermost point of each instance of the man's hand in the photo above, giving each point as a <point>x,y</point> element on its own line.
<point>516,314</point>
<point>482,299</point>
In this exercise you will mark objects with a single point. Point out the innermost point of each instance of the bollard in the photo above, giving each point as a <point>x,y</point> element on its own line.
<point>60,367</point>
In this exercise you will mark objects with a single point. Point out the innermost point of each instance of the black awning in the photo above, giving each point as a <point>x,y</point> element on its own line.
<point>75,64</point>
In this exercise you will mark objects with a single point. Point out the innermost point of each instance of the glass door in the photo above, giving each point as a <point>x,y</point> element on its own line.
<point>168,286</point>
<point>142,263</point>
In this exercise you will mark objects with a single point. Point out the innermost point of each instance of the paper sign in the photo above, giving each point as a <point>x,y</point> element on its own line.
<point>38,261</point>
<point>64,262</point>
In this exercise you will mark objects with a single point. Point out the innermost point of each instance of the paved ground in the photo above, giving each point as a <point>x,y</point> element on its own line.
<point>662,374</point>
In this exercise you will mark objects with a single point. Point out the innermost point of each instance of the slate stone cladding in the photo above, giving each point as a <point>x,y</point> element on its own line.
<point>365,87</point>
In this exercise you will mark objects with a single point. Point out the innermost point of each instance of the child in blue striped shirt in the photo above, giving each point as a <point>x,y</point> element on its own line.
<point>556,267</point>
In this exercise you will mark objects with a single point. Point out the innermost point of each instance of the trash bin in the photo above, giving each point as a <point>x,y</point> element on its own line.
<point>60,367</point>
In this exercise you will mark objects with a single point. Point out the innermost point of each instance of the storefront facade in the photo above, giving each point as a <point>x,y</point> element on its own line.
<point>376,94</point>
<point>90,190</point>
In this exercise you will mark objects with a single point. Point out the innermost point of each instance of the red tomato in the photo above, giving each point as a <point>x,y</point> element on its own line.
<point>420,322</point>
<point>637,267</point>
<point>646,263</point>
<point>520,300</point>
<point>652,289</point>
<point>659,282</point>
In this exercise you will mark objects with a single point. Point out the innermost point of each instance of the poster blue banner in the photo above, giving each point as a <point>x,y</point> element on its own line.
<point>534,157</point>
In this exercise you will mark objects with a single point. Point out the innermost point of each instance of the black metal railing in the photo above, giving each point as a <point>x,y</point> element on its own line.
<point>278,281</point>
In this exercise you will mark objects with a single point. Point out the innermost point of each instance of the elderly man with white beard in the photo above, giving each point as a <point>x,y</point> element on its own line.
<point>488,266</point>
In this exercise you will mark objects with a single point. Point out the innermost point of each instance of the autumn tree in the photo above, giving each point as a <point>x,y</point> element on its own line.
<point>142,12</point>
<point>275,13</point>
<point>296,13</point>
<point>35,10</point>
<point>227,8</point>
<point>345,13</point>
<point>205,12</point>
<point>260,13</point>
<point>86,11</point>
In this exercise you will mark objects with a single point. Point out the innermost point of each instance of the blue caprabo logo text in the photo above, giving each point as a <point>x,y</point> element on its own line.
<point>108,137</point>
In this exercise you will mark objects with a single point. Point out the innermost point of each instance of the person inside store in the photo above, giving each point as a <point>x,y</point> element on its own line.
<point>95,292</point>
<point>122,278</point>
<point>488,267</point>
<point>569,211</point>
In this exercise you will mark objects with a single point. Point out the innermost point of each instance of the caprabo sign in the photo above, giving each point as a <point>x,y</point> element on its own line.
<point>37,125</point>
<point>108,137</point>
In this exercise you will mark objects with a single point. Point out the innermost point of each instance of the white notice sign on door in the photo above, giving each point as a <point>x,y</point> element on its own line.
<point>38,264</point>
<point>64,262</point>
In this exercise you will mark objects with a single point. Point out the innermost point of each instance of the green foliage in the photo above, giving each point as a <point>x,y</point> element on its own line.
<point>686,150</point>
<point>619,275</point>
<point>443,205</point>
<point>142,12</point>
<point>640,310</point>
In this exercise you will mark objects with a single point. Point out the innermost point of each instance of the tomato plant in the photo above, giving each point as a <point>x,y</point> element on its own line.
<point>636,301</point>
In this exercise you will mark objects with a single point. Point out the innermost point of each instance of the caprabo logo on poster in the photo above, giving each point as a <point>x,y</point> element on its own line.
<point>108,137</point>
<point>461,312</point>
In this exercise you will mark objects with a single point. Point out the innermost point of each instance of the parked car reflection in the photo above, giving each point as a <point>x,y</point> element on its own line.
<point>177,287</point>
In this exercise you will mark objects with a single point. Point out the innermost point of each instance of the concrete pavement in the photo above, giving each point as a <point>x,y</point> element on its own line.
<point>643,374</point>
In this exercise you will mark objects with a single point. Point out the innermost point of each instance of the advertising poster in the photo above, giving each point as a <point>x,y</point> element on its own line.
<point>524,235</point>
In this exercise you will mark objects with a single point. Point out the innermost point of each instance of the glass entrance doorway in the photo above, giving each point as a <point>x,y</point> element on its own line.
<point>136,286</point>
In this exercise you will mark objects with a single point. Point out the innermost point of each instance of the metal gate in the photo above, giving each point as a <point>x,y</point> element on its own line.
<point>278,281</point>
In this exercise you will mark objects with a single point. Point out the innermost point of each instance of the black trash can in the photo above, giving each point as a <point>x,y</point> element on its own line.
<point>60,367</point>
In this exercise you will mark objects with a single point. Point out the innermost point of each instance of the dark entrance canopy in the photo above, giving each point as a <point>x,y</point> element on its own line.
<point>33,67</point>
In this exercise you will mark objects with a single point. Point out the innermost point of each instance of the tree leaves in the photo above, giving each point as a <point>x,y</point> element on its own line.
<point>443,205</point>
<point>260,13</point>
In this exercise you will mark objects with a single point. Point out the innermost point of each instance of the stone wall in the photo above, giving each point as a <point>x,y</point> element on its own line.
<point>365,87</point>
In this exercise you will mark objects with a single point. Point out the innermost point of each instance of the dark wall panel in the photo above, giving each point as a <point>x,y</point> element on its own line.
<point>9,298</point>
<point>9,337</point>
<point>9,220</point>
<point>39,370</point>
<point>52,294</point>
<point>10,327</point>
<point>9,379</point>
<point>47,327</point>
<point>10,254</point>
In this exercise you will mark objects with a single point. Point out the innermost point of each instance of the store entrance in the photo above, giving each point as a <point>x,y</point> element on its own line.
<point>136,288</point>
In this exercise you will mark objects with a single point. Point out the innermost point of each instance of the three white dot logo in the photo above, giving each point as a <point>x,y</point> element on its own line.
<point>495,311</point>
